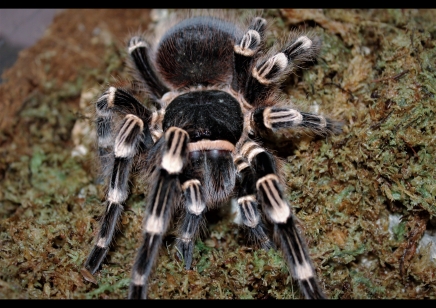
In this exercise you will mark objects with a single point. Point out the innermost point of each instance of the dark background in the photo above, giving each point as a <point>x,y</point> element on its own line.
<point>21,28</point>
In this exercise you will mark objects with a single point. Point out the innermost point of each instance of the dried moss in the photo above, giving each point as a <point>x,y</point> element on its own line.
<point>376,74</point>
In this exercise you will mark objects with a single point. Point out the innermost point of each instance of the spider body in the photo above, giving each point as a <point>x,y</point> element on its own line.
<point>215,89</point>
<point>201,114</point>
<point>187,54</point>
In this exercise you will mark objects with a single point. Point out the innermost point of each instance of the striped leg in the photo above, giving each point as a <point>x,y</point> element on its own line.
<point>195,208</point>
<point>246,50</point>
<point>268,73</point>
<point>272,119</point>
<point>247,203</point>
<point>104,111</point>
<point>164,198</point>
<point>117,102</point>
<point>139,51</point>
<point>279,213</point>
<point>125,148</point>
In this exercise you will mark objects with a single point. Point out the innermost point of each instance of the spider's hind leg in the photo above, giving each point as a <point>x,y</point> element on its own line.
<point>139,51</point>
<point>246,51</point>
<point>277,210</point>
<point>269,72</point>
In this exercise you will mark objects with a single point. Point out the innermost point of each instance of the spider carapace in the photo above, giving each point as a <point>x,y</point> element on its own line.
<point>215,88</point>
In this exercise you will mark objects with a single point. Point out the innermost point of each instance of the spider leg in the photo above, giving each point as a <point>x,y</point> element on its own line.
<point>195,207</point>
<point>117,102</point>
<point>247,203</point>
<point>126,145</point>
<point>267,120</point>
<point>139,51</point>
<point>277,210</point>
<point>207,182</point>
<point>246,50</point>
<point>163,199</point>
<point>269,72</point>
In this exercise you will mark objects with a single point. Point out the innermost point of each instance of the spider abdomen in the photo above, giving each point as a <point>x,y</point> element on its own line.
<point>211,115</point>
<point>197,51</point>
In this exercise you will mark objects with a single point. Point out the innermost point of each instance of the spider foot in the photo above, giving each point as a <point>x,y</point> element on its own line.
<point>297,256</point>
<point>185,249</point>
<point>95,258</point>
<point>188,232</point>
<point>261,237</point>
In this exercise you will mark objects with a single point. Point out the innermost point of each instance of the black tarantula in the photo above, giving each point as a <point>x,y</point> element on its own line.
<point>215,88</point>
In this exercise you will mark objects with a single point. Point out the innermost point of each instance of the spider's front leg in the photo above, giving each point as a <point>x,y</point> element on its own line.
<point>207,182</point>
<point>247,203</point>
<point>116,157</point>
<point>164,197</point>
<point>277,210</point>
<point>195,207</point>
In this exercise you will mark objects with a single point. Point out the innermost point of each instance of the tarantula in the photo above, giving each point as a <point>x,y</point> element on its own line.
<point>215,88</point>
